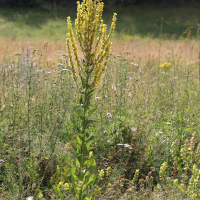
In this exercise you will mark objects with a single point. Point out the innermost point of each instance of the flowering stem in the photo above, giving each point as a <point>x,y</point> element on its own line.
<point>90,71</point>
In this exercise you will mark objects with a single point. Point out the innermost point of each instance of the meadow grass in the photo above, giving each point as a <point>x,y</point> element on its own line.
<point>147,120</point>
<point>153,109</point>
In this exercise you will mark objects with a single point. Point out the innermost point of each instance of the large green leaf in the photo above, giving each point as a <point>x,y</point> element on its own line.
<point>87,123</point>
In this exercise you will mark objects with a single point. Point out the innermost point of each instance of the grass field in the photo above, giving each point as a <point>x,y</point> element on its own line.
<point>146,128</point>
<point>142,21</point>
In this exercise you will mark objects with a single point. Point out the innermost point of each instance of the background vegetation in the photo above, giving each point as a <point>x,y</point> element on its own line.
<point>133,21</point>
<point>67,3</point>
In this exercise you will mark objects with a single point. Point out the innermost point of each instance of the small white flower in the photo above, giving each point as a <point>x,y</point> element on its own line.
<point>141,71</point>
<point>97,98</point>
<point>120,144</point>
<point>128,146</point>
<point>60,64</point>
<point>168,123</point>
<point>134,64</point>
<point>125,145</point>
<point>30,198</point>
<point>40,70</point>
<point>65,70</point>
<point>133,129</point>
<point>109,115</point>
<point>48,72</point>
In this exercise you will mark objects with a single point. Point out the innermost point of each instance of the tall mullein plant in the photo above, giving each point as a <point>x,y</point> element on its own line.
<point>87,74</point>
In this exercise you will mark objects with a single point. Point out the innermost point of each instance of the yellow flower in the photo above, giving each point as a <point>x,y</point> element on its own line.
<point>175,182</point>
<point>108,170</point>
<point>66,186</point>
<point>158,186</point>
<point>40,196</point>
<point>101,174</point>
<point>182,187</point>
<point>89,18</point>
<point>165,64</point>
<point>60,184</point>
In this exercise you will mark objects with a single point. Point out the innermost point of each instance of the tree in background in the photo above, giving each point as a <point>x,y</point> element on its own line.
<point>65,3</point>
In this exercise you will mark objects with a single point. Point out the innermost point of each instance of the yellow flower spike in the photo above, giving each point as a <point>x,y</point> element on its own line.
<point>78,25</point>
<point>112,26</point>
<point>89,18</point>
<point>99,37</point>
<point>73,43</point>
<point>98,72</point>
<point>70,59</point>
<point>103,54</point>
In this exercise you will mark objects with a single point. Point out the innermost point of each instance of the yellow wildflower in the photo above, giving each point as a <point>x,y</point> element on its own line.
<point>182,187</point>
<point>66,186</point>
<point>40,196</point>
<point>165,64</point>
<point>89,18</point>
<point>175,182</point>
<point>159,186</point>
<point>101,174</point>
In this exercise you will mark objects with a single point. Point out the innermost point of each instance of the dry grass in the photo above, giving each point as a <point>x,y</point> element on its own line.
<point>140,50</point>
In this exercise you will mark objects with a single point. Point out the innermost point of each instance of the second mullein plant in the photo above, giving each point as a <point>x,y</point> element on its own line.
<point>82,176</point>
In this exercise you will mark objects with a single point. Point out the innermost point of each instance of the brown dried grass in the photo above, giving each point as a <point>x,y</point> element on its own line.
<point>141,50</point>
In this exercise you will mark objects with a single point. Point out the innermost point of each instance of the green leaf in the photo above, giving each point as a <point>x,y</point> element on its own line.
<point>85,176</point>
<point>68,159</point>
<point>90,179</point>
<point>97,190</point>
<point>92,111</point>
<point>179,136</point>
<point>86,198</point>
<point>87,123</point>
<point>89,141</point>
<point>180,117</point>
<point>73,170</point>
<point>79,140</point>
<point>189,129</point>
<point>58,191</point>
<point>77,155</point>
